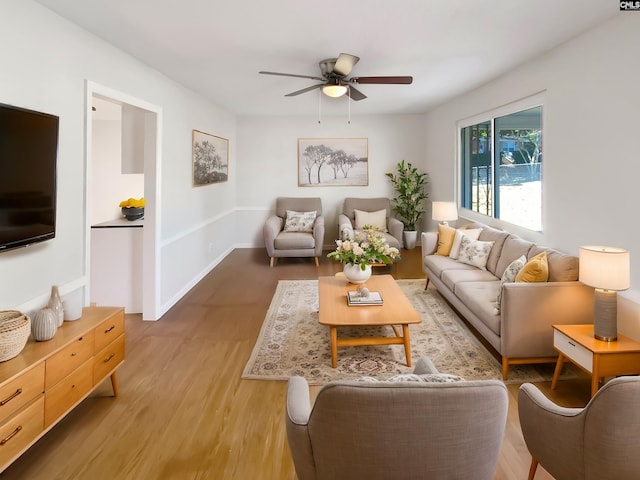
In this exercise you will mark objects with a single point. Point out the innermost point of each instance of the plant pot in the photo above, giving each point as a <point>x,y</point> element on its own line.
<point>410,238</point>
<point>355,274</point>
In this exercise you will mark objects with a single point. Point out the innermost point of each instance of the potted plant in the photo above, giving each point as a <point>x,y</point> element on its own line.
<point>408,203</point>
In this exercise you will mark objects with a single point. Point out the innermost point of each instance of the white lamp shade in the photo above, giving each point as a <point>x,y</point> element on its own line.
<point>606,268</point>
<point>334,91</point>
<point>444,211</point>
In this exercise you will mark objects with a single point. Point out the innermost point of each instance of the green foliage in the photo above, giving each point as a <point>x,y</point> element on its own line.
<point>410,195</point>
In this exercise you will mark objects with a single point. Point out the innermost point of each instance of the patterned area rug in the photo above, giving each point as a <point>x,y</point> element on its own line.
<point>292,342</point>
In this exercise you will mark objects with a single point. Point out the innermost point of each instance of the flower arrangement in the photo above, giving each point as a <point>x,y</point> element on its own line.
<point>368,247</point>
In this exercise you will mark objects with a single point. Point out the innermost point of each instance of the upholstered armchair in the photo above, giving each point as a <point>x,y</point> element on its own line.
<point>358,212</point>
<point>295,230</point>
<point>406,430</point>
<point>601,440</point>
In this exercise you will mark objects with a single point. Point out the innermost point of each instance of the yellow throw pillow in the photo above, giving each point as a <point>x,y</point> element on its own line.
<point>446,234</point>
<point>535,270</point>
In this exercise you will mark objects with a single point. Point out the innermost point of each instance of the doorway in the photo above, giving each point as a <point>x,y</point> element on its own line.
<point>147,129</point>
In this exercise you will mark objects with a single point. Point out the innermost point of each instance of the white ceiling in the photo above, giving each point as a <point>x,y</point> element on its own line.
<point>217,47</point>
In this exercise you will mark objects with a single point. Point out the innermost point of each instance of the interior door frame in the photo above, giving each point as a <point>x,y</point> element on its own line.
<point>151,232</point>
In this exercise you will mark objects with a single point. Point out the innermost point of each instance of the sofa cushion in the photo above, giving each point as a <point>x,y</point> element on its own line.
<point>472,233</point>
<point>474,252</point>
<point>452,277</point>
<point>299,221</point>
<point>509,276</point>
<point>514,247</point>
<point>535,270</point>
<point>438,264</point>
<point>480,298</point>
<point>294,241</point>
<point>498,238</point>
<point>377,219</point>
<point>562,267</point>
<point>446,235</point>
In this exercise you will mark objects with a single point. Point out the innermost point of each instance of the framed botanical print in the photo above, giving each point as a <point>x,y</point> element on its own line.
<point>210,158</point>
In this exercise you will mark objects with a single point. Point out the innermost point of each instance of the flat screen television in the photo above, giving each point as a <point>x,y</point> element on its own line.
<point>28,158</point>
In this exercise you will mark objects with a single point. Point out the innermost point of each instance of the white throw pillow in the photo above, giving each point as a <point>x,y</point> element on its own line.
<point>474,252</point>
<point>299,221</point>
<point>377,219</point>
<point>472,233</point>
<point>509,276</point>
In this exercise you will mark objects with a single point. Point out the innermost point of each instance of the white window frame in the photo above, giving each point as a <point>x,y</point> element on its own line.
<point>535,100</point>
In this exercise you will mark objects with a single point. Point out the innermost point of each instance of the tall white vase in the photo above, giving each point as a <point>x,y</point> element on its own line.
<point>355,274</point>
<point>55,304</point>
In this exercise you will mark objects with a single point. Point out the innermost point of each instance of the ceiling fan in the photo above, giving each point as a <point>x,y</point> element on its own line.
<point>334,73</point>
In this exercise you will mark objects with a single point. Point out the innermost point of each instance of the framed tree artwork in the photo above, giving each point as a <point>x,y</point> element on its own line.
<point>210,158</point>
<point>324,162</point>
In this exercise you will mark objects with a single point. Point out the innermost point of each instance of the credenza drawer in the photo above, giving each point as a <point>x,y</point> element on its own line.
<point>109,330</point>
<point>105,361</point>
<point>20,391</point>
<point>572,349</point>
<point>68,392</point>
<point>68,359</point>
<point>19,431</point>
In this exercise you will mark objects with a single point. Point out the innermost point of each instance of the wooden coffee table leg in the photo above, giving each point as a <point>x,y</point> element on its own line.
<point>407,343</point>
<point>333,332</point>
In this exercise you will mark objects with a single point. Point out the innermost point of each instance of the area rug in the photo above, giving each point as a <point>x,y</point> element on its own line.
<point>292,342</point>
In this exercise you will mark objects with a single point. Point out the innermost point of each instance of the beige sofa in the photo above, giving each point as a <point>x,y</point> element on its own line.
<point>521,330</point>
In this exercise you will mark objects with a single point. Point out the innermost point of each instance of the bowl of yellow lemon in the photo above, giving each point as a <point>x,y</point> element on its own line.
<point>132,208</point>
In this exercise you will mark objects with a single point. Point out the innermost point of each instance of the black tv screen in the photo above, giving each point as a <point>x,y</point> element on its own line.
<point>28,155</point>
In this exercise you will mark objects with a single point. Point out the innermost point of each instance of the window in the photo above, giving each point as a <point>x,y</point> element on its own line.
<point>501,161</point>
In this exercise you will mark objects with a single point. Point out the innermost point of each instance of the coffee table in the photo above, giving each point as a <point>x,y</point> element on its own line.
<point>334,311</point>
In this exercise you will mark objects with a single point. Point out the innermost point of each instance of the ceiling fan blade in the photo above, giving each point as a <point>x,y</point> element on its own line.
<point>383,80</point>
<point>304,90</point>
<point>291,75</point>
<point>356,94</point>
<point>344,63</point>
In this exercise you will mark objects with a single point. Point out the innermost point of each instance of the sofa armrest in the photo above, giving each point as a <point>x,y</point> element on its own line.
<point>272,227</point>
<point>345,228</point>
<point>429,243</point>
<point>296,420</point>
<point>530,309</point>
<point>396,227</point>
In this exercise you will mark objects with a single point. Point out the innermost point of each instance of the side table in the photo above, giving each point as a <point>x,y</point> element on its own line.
<point>577,344</point>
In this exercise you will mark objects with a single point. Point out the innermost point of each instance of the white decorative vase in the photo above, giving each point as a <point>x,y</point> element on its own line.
<point>55,304</point>
<point>410,238</point>
<point>355,274</point>
<point>44,325</point>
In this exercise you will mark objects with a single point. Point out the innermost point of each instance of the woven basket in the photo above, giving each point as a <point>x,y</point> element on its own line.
<point>15,328</point>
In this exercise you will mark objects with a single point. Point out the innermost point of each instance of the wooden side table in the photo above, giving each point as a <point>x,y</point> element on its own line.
<point>577,344</point>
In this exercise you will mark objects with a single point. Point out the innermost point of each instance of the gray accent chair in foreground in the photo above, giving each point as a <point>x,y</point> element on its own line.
<point>347,219</point>
<point>294,244</point>
<point>400,431</point>
<point>601,440</point>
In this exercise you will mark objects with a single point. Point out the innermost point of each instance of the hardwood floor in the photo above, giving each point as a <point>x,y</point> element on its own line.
<point>184,413</point>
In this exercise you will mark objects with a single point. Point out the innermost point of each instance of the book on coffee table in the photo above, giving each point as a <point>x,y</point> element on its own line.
<point>354,298</point>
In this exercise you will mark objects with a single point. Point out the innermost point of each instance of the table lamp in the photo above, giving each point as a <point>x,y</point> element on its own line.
<point>607,270</point>
<point>444,212</point>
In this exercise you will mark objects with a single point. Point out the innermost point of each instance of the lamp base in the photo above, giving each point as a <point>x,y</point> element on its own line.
<point>605,323</point>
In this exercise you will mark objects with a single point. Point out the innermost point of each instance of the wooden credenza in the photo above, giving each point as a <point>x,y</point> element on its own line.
<point>48,379</point>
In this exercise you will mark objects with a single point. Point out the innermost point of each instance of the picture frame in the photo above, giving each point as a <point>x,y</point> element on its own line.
<point>210,159</point>
<point>327,162</point>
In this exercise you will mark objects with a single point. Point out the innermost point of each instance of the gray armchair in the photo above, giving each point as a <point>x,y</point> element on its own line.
<point>347,219</point>
<point>294,242</point>
<point>601,440</point>
<point>406,430</point>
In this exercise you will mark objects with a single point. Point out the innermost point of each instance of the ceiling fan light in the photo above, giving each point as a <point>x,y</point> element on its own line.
<point>334,91</point>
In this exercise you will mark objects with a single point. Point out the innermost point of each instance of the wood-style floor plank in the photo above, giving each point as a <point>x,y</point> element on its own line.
<point>184,412</point>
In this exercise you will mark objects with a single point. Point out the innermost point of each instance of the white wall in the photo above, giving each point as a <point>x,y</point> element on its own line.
<point>46,62</point>
<point>591,163</point>
<point>268,163</point>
